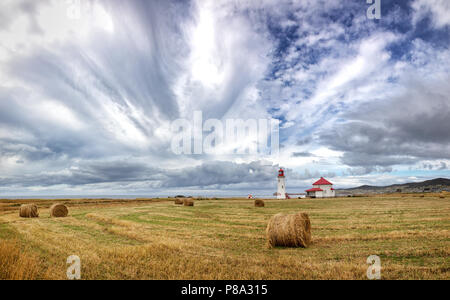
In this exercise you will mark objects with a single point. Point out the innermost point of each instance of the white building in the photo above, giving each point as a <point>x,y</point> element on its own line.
<point>322,189</point>
<point>281,191</point>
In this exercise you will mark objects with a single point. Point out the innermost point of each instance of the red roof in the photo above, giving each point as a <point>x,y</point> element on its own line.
<point>315,190</point>
<point>322,181</point>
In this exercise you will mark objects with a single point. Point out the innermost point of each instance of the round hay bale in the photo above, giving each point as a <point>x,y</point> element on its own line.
<point>28,211</point>
<point>188,202</point>
<point>59,211</point>
<point>441,196</point>
<point>178,201</point>
<point>289,230</point>
<point>259,203</point>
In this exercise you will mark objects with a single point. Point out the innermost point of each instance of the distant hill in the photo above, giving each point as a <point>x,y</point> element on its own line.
<point>432,186</point>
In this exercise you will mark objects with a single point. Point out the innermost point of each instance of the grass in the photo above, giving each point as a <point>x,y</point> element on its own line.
<point>225,239</point>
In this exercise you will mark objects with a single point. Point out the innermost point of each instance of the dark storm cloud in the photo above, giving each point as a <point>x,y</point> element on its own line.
<point>407,128</point>
<point>370,160</point>
<point>441,166</point>
<point>87,173</point>
<point>359,171</point>
<point>221,173</point>
<point>304,141</point>
<point>308,175</point>
<point>207,174</point>
<point>125,172</point>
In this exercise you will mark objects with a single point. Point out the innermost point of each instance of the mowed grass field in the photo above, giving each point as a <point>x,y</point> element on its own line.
<point>225,239</point>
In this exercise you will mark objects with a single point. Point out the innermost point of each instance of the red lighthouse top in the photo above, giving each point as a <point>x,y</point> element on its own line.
<point>281,173</point>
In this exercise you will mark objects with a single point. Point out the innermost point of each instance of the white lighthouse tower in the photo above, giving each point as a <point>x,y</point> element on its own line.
<point>281,191</point>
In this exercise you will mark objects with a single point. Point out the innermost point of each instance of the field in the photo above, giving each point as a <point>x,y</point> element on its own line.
<point>225,239</point>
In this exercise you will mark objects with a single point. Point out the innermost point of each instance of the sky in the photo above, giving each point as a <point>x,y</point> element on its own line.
<point>90,92</point>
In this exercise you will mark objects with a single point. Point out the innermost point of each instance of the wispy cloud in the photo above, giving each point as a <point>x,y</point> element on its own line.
<point>86,101</point>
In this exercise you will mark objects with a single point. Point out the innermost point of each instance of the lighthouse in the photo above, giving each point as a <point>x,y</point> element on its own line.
<point>281,191</point>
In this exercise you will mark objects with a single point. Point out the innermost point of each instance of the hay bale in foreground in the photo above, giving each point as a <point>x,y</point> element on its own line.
<point>178,201</point>
<point>188,202</point>
<point>59,211</point>
<point>29,211</point>
<point>442,196</point>
<point>259,203</point>
<point>289,230</point>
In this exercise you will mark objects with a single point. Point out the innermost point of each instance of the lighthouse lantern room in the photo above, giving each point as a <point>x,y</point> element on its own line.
<point>281,191</point>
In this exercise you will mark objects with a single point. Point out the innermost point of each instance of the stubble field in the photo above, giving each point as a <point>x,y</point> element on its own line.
<point>225,239</point>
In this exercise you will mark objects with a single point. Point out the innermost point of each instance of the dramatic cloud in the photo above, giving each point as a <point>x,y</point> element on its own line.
<point>439,9</point>
<point>88,93</point>
<point>409,127</point>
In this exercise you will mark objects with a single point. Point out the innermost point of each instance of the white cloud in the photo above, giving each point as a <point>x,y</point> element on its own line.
<point>440,10</point>
<point>342,75</point>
